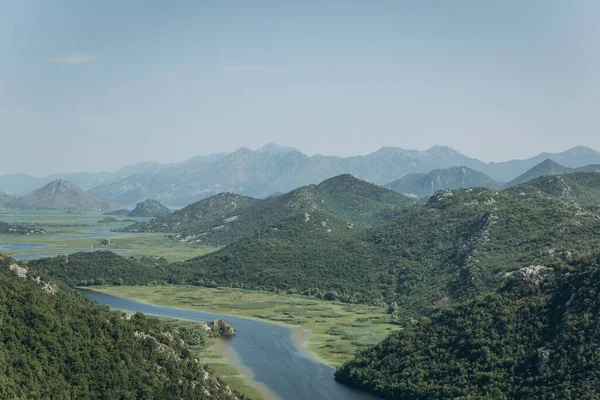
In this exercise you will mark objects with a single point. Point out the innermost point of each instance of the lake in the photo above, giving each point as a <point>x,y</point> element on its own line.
<point>268,350</point>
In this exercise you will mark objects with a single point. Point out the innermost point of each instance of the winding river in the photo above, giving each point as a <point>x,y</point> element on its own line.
<point>267,350</point>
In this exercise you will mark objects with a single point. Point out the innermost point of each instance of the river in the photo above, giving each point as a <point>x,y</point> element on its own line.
<point>268,350</point>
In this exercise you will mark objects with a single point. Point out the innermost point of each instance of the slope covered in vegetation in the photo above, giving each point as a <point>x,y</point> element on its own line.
<point>149,208</point>
<point>453,247</point>
<point>226,218</point>
<point>54,342</point>
<point>535,338</point>
<point>579,187</point>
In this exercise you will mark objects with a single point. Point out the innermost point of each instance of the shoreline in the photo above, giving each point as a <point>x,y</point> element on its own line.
<point>300,336</point>
<point>221,348</point>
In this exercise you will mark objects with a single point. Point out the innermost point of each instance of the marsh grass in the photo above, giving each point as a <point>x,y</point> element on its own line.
<point>337,330</point>
<point>62,226</point>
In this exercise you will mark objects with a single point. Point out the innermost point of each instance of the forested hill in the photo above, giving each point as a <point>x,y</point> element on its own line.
<point>452,247</point>
<point>56,343</point>
<point>446,250</point>
<point>549,167</point>
<point>579,187</point>
<point>149,208</point>
<point>226,218</point>
<point>536,338</point>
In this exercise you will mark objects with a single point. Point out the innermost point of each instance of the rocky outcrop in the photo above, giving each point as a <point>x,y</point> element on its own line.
<point>219,328</point>
<point>23,273</point>
<point>534,274</point>
<point>161,347</point>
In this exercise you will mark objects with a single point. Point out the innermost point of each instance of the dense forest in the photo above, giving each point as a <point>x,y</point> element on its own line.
<point>54,342</point>
<point>535,338</point>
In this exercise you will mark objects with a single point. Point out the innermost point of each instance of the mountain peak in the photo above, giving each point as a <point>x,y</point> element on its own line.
<point>149,208</point>
<point>581,151</point>
<point>548,162</point>
<point>275,148</point>
<point>60,185</point>
<point>441,149</point>
<point>61,194</point>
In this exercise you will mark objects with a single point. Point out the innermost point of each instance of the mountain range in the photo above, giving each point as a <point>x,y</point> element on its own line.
<point>226,217</point>
<point>58,195</point>
<point>496,287</point>
<point>274,169</point>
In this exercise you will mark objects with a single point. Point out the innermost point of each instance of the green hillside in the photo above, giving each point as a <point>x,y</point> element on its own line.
<point>548,168</point>
<point>580,187</point>
<point>56,343</point>
<point>536,338</point>
<point>226,218</point>
<point>104,268</point>
<point>452,247</point>
<point>198,217</point>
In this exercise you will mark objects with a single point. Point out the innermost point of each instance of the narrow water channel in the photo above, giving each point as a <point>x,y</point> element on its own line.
<point>268,350</point>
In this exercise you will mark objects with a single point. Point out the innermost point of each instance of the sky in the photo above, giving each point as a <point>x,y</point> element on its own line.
<point>95,85</point>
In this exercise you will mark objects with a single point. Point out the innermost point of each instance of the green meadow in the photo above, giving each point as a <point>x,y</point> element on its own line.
<point>62,229</point>
<point>331,331</point>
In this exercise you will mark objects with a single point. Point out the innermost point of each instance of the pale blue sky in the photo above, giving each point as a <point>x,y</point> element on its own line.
<point>95,85</point>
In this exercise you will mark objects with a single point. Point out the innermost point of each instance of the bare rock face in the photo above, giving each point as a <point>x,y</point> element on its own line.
<point>20,271</point>
<point>219,328</point>
<point>534,274</point>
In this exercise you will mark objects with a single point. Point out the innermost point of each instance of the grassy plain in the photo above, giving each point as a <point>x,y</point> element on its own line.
<point>71,232</point>
<point>331,331</point>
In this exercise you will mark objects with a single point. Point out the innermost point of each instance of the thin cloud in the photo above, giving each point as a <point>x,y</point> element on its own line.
<point>244,68</point>
<point>75,58</point>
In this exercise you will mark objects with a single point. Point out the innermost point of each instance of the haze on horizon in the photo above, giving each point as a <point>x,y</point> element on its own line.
<point>89,86</point>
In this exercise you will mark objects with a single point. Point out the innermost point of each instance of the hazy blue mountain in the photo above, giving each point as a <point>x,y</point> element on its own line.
<point>6,200</point>
<point>275,148</point>
<point>275,168</point>
<point>63,195</point>
<point>550,167</point>
<point>17,183</point>
<point>573,158</point>
<point>172,184</point>
<point>20,184</point>
<point>423,185</point>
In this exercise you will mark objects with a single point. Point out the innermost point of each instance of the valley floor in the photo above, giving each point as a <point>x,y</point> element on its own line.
<point>330,331</point>
<point>68,233</point>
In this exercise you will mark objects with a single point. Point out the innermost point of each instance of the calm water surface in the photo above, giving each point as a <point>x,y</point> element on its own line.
<point>268,350</point>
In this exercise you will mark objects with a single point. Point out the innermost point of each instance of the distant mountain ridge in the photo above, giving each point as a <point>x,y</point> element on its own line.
<point>423,185</point>
<point>273,169</point>
<point>550,167</point>
<point>61,195</point>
